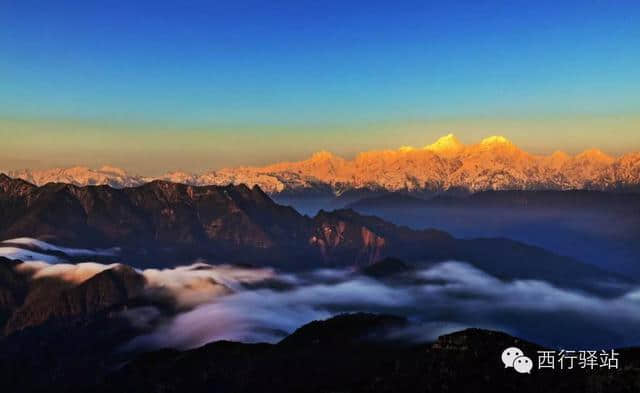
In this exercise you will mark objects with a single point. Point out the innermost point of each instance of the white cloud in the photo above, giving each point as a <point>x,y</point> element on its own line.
<point>27,255</point>
<point>446,297</point>
<point>44,246</point>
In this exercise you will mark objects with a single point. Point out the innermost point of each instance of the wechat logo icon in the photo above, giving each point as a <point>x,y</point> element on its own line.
<point>514,357</point>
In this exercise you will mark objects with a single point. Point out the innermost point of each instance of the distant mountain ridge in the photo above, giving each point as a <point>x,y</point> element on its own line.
<point>162,223</point>
<point>80,176</point>
<point>544,199</point>
<point>446,165</point>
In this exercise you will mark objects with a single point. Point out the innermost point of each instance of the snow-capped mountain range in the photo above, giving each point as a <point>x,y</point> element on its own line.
<point>80,176</point>
<point>493,164</point>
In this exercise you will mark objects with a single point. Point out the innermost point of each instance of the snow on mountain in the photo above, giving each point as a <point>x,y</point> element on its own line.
<point>493,164</point>
<point>80,176</point>
<point>627,168</point>
<point>446,145</point>
<point>177,177</point>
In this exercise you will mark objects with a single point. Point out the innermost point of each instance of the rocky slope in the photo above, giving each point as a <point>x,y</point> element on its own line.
<point>71,336</point>
<point>346,354</point>
<point>161,223</point>
<point>149,217</point>
<point>446,165</point>
<point>597,227</point>
<point>52,300</point>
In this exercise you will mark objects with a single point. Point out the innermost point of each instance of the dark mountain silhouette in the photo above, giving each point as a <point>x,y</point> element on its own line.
<point>387,267</point>
<point>599,228</point>
<point>345,330</point>
<point>166,223</point>
<point>389,200</point>
<point>13,289</point>
<point>61,333</point>
<point>571,199</point>
<point>346,235</point>
<point>109,290</point>
<point>66,337</point>
<point>158,219</point>
<point>344,354</point>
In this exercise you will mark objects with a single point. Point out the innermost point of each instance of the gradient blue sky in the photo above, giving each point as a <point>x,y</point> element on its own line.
<point>258,68</point>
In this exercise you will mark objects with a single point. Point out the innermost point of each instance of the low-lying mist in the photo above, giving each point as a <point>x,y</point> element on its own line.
<point>188,306</point>
<point>261,305</point>
<point>602,237</point>
<point>443,298</point>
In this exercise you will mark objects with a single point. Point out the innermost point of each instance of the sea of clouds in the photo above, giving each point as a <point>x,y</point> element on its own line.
<point>222,302</point>
<point>440,299</point>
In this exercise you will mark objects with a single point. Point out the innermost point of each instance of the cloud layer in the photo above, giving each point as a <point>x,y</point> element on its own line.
<point>443,298</point>
<point>208,303</point>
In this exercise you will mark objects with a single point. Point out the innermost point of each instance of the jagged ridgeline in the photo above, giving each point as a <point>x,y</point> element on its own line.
<point>162,223</point>
<point>446,165</point>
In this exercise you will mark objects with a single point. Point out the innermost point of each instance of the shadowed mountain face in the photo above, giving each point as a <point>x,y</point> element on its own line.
<point>595,227</point>
<point>88,331</point>
<point>348,353</point>
<point>54,331</point>
<point>574,199</point>
<point>157,211</point>
<point>13,289</point>
<point>165,223</point>
<point>55,301</point>
<point>79,327</point>
<point>158,215</point>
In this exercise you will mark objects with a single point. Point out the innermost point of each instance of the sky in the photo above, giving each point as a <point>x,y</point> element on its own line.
<point>194,85</point>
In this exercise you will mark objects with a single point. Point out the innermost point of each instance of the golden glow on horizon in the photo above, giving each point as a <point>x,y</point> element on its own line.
<point>151,150</point>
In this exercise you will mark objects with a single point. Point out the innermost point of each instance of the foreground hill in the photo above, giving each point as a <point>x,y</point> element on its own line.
<point>164,223</point>
<point>446,165</point>
<point>351,353</point>
<point>347,353</point>
<point>71,328</point>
